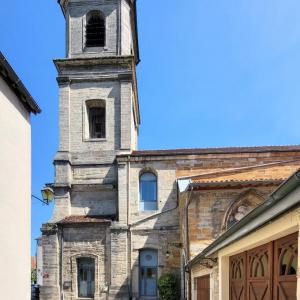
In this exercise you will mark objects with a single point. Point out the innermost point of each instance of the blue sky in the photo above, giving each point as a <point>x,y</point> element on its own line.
<point>213,73</point>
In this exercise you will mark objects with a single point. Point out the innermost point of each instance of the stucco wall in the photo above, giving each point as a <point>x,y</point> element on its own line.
<point>15,190</point>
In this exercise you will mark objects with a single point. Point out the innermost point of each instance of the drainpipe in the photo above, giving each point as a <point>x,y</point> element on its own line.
<point>129,230</point>
<point>188,202</point>
<point>61,244</point>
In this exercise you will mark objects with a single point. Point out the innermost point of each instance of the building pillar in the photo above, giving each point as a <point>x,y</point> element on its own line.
<point>50,290</point>
<point>119,287</point>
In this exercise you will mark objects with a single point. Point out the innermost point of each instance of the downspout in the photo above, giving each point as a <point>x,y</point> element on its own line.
<point>61,244</point>
<point>188,202</point>
<point>129,230</point>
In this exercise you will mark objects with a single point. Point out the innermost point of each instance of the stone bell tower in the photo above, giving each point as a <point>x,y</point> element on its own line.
<point>98,120</point>
<point>99,111</point>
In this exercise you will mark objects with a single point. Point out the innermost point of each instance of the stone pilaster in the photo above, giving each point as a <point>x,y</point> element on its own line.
<point>50,240</point>
<point>119,287</point>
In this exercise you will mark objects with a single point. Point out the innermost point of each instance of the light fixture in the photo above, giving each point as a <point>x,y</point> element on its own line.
<point>47,195</point>
<point>168,254</point>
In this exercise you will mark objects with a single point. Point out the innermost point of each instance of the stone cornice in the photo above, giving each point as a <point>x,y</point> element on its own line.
<point>92,61</point>
<point>126,61</point>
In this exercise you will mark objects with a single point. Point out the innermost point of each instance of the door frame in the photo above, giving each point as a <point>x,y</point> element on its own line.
<point>196,284</point>
<point>140,267</point>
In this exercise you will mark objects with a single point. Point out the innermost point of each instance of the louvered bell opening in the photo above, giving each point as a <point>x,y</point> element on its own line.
<point>95,32</point>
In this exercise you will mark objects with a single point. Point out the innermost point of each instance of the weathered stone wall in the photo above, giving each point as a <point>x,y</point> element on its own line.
<point>211,163</point>
<point>165,242</point>
<point>94,202</point>
<point>166,190</point>
<point>208,205</point>
<point>51,268</point>
<point>80,93</point>
<point>150,229</point>
<point>119,284</point>
<point>206,214</point>
<point>77,23</point>
<point>85,241</point>
<point>118,28</point>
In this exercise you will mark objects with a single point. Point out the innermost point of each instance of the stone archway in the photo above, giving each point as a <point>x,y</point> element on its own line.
<point>241,206</point>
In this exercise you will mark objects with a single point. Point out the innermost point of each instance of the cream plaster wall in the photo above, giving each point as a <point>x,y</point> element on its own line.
<point>15,195</point>
<point>283,226</point>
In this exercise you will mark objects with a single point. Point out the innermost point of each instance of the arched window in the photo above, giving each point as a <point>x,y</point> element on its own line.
<point>96,116</point>
<point>95,29</point>
<point>148,191</point>
<point>241,206</point>
<point>148,273</point>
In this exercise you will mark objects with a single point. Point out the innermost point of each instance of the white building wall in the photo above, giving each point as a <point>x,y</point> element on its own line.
<point>15,195</point>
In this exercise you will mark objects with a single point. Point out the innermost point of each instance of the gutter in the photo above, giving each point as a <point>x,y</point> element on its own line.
<point>16,84</point>
<point>239,230</point>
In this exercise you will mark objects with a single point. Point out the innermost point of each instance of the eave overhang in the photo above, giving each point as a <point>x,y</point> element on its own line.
<point>15,83</point>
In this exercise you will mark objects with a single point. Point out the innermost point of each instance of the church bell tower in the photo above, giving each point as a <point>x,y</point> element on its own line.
<point>98,91</point>
<point>98,120</point>
<point>98,107</point>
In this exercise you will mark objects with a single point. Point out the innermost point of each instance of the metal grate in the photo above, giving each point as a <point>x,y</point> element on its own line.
<point>95,30</point>
<point>97,122</point>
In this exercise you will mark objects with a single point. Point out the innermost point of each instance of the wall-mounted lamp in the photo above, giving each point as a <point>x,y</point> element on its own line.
<point>168,254</point>
<point>47,195</point>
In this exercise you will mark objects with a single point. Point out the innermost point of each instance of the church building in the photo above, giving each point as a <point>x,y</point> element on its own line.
<point>123,216</point>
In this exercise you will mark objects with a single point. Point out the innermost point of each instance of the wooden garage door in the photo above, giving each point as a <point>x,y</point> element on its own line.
<point>203,288</point>
<point>285,270</point>
<point>267,272</point>
<point>259,272</point>
<point>238,277</point>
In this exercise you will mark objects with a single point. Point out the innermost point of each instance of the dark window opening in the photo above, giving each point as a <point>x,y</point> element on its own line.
<point>97,122</point>
<point>95,30</point>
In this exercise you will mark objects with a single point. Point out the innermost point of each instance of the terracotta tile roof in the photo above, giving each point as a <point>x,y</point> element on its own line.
<point>86,219</point>
<point>222,150</point>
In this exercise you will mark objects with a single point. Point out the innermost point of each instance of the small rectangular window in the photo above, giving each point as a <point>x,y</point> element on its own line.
<point>97,122</point>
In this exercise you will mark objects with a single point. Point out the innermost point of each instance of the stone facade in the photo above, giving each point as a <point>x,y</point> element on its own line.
<point>97,212</point>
